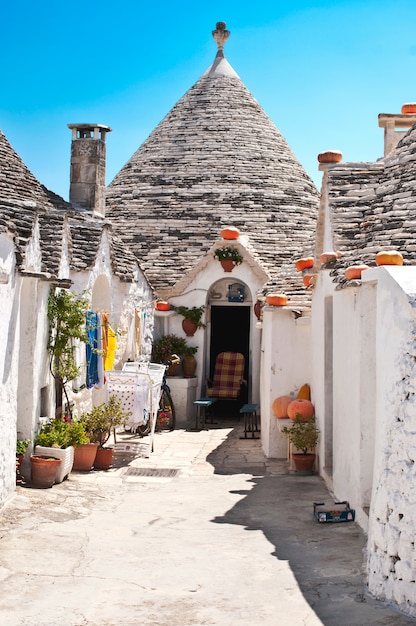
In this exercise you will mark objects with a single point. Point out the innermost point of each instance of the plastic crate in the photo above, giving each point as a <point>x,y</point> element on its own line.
<point>337,512</point>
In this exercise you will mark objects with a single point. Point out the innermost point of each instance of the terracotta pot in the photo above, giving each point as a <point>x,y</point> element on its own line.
<point>84,457</point>
<point>103,458</point>
<point>227,265</point>
<point>257,309</point>
<point>408,108</point>
<point>189,327</point>
<point>189,365</point>
<point>43,470</point>
<point>173,370</point>
<point>304,462</point>
<point>162,306</point>
<point>19,461</point>
<point>330,156</point>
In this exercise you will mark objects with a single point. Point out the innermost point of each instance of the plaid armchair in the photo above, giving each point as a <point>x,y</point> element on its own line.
<point>228,376</point>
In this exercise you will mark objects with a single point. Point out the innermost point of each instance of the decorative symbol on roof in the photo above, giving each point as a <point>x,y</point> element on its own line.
<point>220,35</point>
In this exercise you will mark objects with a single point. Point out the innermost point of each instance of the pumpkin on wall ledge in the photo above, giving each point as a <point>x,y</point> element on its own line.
<point>354,271</point>
<point>304,263</point>
<point>276,299</point>
<point>329,257</point>
<point>301,409</point>
<point>279,406</point>
<point>230,233</point>
<point>389,257</point>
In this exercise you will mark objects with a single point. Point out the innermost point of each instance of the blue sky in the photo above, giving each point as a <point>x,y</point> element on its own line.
<point>322,70</point>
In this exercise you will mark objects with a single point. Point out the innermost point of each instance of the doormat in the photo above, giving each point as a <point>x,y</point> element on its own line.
<point>153,472</point>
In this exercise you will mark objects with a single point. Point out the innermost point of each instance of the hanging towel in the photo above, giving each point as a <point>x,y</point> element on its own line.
<point>100,360</point>
<point>111,349</point>
<point>91,350</point>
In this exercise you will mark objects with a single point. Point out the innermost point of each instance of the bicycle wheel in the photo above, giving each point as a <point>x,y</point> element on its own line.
<point>166,418</point>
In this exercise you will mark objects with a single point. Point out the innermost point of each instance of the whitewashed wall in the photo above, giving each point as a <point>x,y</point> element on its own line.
<point>9,340</point>
<point>195,292</point>
<point>392,522</point>
<point>285,366</point>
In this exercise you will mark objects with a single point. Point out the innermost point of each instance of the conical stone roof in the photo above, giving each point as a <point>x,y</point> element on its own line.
<point>215,160</point>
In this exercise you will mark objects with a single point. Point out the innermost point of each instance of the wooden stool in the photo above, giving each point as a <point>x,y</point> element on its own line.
<point>203,405</point>
<point>250,420</point>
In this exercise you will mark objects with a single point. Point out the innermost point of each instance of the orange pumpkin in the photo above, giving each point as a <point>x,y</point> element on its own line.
<point>279,406</point>
<point>304,264</point>
<point>303,408</point>
<point>276,299</point>
<point>162,306</point>
<point>230,232</point>
<point>409,108</point>
<point>304,392</point>
<point>328,257</point>
<point>389,257</point>
<point>354,271</point>
<point>330,156</point>
<point>308,280</point>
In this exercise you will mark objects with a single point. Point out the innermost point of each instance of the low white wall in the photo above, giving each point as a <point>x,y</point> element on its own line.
<point>285,367</point>
<point>183,391</point>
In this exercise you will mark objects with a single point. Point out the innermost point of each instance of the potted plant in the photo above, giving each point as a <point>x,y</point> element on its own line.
<point>58,438</point>
<point>99,423</point>
<point>21,447</point>
<point>229,257</point>
<point>192,318</point>
<point>189,362</point>
<point>165,347</point>
<point>304,436</point>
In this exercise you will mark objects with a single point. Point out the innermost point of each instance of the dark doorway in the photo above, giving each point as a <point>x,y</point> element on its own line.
<point>230,331</point>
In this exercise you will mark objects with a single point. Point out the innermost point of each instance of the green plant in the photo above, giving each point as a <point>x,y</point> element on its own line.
<point>61,433</point>
<point>22,445</point>
<point>102,419</point>
<point>168,345</point>
<point>67,322</point>
<point>228,253</point>
<point>303,435</point>
<point>194,314</point>
<point>190,350</point>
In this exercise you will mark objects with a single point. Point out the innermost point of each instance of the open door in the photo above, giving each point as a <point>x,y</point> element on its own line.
<point>230,332</point>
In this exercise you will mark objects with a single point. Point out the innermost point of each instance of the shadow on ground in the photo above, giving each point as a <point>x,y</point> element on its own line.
<point>327,559</point>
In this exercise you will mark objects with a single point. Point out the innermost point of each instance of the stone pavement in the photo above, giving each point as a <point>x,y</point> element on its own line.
<point>206,531</point>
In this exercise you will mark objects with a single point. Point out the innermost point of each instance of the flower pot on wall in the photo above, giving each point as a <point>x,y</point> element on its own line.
<point>84,457</point>
<point>43,470</point>
<point>103,458</point>
<point>189,327</point>
<point>227,265</point>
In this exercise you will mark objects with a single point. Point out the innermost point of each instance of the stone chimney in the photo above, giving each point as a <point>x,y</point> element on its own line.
<point>87,188</point>
<point>396,125</point>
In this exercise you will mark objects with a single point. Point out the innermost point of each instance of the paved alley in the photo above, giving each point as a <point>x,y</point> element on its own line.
<point>206,531</point>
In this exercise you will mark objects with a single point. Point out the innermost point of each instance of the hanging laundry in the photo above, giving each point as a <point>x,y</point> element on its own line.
<point>91,350</point>
<point>100,360</point>
<point>137,332</point>
<point>78,383</point>
<point>111,349</point>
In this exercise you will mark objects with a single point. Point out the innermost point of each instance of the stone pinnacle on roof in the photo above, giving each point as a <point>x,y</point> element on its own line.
<point>220,35</point>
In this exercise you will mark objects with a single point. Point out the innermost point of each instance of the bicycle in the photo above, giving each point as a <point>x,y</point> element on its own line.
<point>166,416</point>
